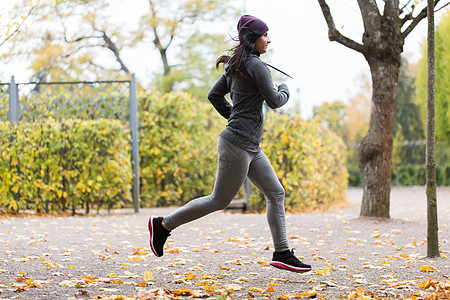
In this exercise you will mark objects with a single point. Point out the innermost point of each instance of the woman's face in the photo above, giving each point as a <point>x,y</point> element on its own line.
<point>262,43</point>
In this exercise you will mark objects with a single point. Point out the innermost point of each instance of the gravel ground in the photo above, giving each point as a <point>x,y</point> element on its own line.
<point>226,255</point>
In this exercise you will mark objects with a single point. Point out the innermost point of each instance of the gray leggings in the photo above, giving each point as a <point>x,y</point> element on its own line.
<point>235,164</point>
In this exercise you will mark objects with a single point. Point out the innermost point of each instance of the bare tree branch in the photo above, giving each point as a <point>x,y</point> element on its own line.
<point>422,15</point>
<point>157,42</point>
<point>111,46</point>
<point>446,4</point>
<point>18,27</point>
<point>99,66</point>
<point>334,34</point>
<point>81,47</point>
<point>404,6</point>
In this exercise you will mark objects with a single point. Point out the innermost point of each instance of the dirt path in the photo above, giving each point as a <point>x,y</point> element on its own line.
<point>106,257</point>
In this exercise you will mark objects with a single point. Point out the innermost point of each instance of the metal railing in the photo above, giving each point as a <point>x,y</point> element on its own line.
<point>33,101</point>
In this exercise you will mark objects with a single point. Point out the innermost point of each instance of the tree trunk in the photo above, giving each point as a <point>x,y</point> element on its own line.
<point>384,46</point>
<point>432,217</point>
<point>163,53</point>
<point>375,151</point>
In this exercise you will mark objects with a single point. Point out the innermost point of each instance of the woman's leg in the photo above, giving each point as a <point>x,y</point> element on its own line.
<point>263,176</point>
<point>232,169</point>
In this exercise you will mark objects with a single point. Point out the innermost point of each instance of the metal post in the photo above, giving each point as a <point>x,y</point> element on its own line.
<point>14,108</point>
<point>134,142</point>
<point>248,192</point>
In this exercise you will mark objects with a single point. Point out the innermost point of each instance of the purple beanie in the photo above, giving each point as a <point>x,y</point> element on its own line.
<point>248,24</point>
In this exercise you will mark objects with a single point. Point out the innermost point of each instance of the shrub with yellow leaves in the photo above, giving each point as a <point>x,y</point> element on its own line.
<point>55,166</point>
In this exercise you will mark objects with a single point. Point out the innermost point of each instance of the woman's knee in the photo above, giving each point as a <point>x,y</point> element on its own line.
<point>219,203</point>
<point>277,194</point>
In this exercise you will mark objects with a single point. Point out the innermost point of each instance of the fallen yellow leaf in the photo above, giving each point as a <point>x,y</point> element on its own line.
<point>271,289</point>
<point>428,268</point>
<point>148,276</point>
<point>324,272</point>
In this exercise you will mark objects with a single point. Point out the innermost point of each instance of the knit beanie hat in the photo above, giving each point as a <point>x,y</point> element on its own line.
<point>248,24</point>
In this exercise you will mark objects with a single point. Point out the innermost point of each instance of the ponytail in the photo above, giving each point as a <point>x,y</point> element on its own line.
<point>239,55</point>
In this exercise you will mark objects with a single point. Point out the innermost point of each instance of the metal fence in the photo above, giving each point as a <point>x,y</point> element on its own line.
<point>33,101</point>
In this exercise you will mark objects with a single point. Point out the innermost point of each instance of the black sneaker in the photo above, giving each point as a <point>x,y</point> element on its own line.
<point>288,261</point>
<point>158,235</point>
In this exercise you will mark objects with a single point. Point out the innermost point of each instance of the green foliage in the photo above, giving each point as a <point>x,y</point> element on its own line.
<point>407,115</point>
<point>309,159</point>
<point>331,115</point>
<point>397,148</point>
<point>55,166</point>
<point>178,156</point>
<point>409,175</point>
<point>354,175</point>
<point>442,65</point>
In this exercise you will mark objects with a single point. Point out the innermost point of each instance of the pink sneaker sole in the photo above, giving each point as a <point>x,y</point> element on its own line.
<point>283,266</point>
<point>150,229</point>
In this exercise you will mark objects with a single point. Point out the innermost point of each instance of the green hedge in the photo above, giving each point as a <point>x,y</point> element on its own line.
<point>407,175</point>
<point>178,153</point>
<point>310,161</point>
<point>56,166</point>
<point>416,175</point>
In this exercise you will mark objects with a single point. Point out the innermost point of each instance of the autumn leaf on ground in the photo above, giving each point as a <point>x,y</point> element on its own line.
<point>226,269</point>
<point>241,279</point>
<point>142,283</point>
<point>261,291</point>
<point>148,276</point>
<point>324,272</point>
<point>182,292</point>
<point>428,268</point>
<point>329,283</point>
<point>158,293</point>
<point>190,276</point>
<point>270,289</point>
<point>231,288</point>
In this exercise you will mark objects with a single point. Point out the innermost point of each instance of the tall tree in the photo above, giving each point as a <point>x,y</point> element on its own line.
<point>432,220</point>
<point>385,31</point>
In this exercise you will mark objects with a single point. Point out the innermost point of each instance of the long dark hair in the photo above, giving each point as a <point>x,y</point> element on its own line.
<point>239,55</point>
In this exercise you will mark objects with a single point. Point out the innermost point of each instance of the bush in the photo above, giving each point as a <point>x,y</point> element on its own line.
<point>354,176</point>
<point>447,175</point>
<point>309,159</point>
<point>55,166</point>
<point>178,152</point>
<point>409,175</point>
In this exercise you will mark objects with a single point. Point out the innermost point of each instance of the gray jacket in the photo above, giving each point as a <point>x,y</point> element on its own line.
<point>245,114</point>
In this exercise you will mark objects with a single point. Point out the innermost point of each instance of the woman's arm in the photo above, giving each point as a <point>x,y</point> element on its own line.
<point>260,75</point>
<point>217,97</point>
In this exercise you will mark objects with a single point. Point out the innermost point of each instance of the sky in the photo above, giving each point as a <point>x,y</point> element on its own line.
<point>323,71</point>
